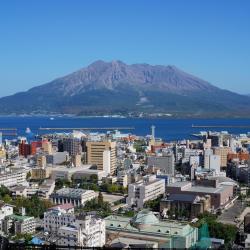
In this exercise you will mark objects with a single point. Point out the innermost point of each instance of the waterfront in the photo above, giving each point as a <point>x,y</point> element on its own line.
<point>168,129</point>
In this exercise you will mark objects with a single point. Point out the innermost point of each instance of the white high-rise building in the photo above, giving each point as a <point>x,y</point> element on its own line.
<point>106,161</point>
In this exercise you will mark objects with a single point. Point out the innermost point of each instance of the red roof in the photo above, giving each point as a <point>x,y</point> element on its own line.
<point>65,206</point>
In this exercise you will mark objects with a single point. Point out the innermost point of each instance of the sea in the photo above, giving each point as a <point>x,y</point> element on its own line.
<point>167,129</point>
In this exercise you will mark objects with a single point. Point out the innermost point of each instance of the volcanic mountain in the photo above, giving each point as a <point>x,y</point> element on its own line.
<point>117,88</point>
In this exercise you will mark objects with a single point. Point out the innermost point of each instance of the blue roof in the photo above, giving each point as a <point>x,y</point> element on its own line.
<point>37,241</point>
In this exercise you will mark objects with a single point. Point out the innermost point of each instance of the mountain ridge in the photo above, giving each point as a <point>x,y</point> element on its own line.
<point>115,87</point>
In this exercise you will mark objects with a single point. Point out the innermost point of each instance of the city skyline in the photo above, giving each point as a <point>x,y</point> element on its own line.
<point>45,40</point>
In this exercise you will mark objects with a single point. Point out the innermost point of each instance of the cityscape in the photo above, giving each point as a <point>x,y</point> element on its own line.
<point>124,124</point>
<point>118,190</point>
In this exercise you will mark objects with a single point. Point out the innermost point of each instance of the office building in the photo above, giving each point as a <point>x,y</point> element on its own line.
<point>72,146</point>
<point>102,154</point>
<point>164,163</point>
<point>223,153</point>
<point>144,190</point>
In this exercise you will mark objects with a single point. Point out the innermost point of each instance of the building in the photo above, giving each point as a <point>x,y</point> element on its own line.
<point>212,162</point>
<point>223,153</point>
<point>220,193</point>
<point>24,149</point>
<point>72,146</point>
<point>185,205</point>
<point>22,224</point>
<point>77,197</point>
<point>164,163</point>
<point>76,160</point>
<point>145,230</point>
<point>12,177</point>
<point>46,189</point>
<point>242,156</point>
<point>40,173</point>
<point>71,230</point>
<point>5,210</point>
<point>47,147</point>
<point>41,161</point>
<point>19,191</point>
<point>57,158</point>
<point>102,154</point>
<point>86,231</point>
<point>147,189</point>
<point>58,216</point>
<point>85,171</point>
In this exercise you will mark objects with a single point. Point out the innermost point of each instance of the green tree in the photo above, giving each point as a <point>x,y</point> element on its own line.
<point>100,199</point>
<point>7,198</point>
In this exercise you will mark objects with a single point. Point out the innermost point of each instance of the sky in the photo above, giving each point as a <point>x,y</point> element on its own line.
<point>43,39</point>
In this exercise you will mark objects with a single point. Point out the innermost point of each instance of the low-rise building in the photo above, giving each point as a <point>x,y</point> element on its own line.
<point>147,189</point>
<point>46,189</point>
<point>186,205</point>
<point>146,230</point>
<point>12,177</point>
<point>40,173</point>
<point>22,224</point>
<point>221,193</point>
<point>74,230</point>
<point>86,231</point>
<point>58,216</point>
<point>77,197</point>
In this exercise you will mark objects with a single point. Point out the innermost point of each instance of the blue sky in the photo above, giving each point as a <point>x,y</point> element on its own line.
<point>44,39</point>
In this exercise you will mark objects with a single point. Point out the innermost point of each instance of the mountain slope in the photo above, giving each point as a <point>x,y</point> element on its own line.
<point>115,87</point>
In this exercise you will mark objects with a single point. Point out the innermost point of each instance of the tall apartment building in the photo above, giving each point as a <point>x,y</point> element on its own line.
<point>223,153</point>
<point>102,154</point>
<point>72,146</point>
<point>147,189</point>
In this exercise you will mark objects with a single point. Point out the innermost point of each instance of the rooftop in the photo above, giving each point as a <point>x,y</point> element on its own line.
<point>65,206</point>
<point>72,192</point>
<point>20,217</point>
